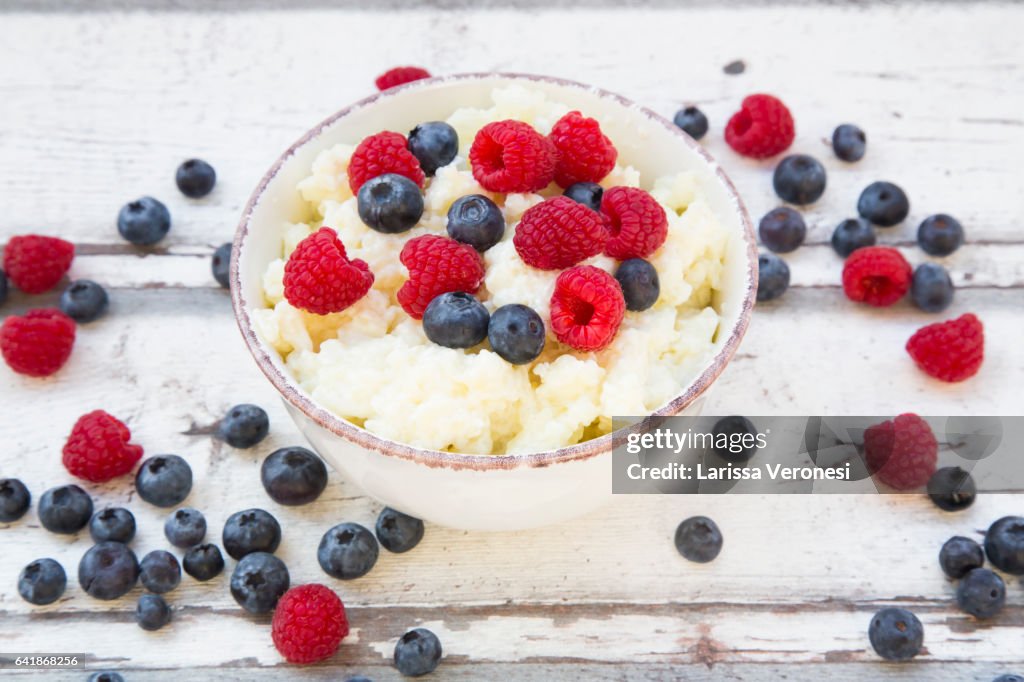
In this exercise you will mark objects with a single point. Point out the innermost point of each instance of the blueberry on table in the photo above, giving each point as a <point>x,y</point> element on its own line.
<point>390,203</point>
<point>398,532</point>
<point>164,480</point>
<point>115,524</point>
<point>258,581</point>
<point>434,144</point>
<point>456,320</point>
<point>883,203</point>
<point>853,234</point>
<point>782,230</point>
<point>516,333</point>
<point>195,178</point>
<point>108,570</point>
<point>849,142</point>
<point>220,265</point>
<point>251,530</point>
<point>105,676</point>
<point>639,282</point>
<point>65,509</point>
<point>896,634</point>
<point>42,582</point>
<point>159,571</point>
<point>692,121</point>
<point>959,556</point>
<point>476,220</point>
<point>940,234</point>
<point>799,179</point>
<point>981,593</point>
<point>244,426</point>
<point>698,539</point>
<point>772,277</point>
<point>84,301</point>
<point>1004,544</point>
<point>347,551</point>
<point>293,476</point>
<point>952,489</point>
<point>185,527</point>
<point>15,499</point>
<point>1009,677</point>
<point>737,434</point>
<point>203,562</point>
<point>144,221</point>
<point>152,612</point>
<point>417,652</point>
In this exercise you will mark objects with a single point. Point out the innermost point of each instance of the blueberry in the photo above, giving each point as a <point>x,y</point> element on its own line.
<point>203,562</point>
<point>252,530</point>
<point>456,320</point>
<point>108,570</point>
<point>293,476</point>
<point>144,221</point>
<point>476,220</point>
<point>390,203</point>
<point>1004,544</point>
<point>1009,677</point>
<point>799,179</point>
<point>244,426</point>
<point>417,652</point>
<point>220,265</point>
<point>347,551</point>
<point>159,571</point>
<point>152,612</point>
<point>587,193</point>
<point>639,282</point>
<point>42,582</point>
<point>981,593</point>
<point>195,178</point>
<point>852,234</point>
<point>65,509</point>
<point>115,524</point>
<point>931,288</point>
<point>105,676</point>
<point>772,277</point>
<point>959,555</point>
<point>84,300</point>
<point>883,203</point>
<point>360,678</point>
<point>434,145</point>
<point>185,528</point>
<point>516,333</point>
<point>896,634</point>
<point>398,532</point>
<point>258,581</point>
<point>940,235</point>
<point>736,435</point>
<point>698,539</point>
<point>782,230</point>
<point>164,480</point>
<point>952,489</point>
<point>693,122</point>
<point>14,499</point>
<point>849,142</point>
<point>3,286</point>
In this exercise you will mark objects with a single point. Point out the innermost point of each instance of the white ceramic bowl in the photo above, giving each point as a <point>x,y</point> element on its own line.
<point>480,491</point>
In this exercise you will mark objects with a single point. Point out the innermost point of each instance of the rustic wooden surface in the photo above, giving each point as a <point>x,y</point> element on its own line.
<point>100,107</point>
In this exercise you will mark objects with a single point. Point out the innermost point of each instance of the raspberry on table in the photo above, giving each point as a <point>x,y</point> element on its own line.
<point>400,75</point>
<point>37,343</point>
<point>98,448</point>
<point>901,452</point>
<point>510,156</point>
<point>309,624</point>
<point>637,224</point>
<point>585,154</point>
<point>586,308</point>
<point>35,263</point>
<point>558,233</point>
<point>762,127</point>
<point>437,265</point>
<point>951,351</point>
<point>385,152</point>
<point>876,275</point>
<point>320,278</point>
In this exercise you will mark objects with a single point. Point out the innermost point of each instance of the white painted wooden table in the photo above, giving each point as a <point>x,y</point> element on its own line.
<point>98,108</point>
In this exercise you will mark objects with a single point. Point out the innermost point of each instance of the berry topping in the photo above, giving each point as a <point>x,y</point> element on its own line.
<point>159,571</point>
<point>244,426</point>
<point>698,539</point>
<point>108,570</point>
<point>42,582</point>
<point>510,156</point>
<point>195,178</point>
<point>852,234</point>
<point>952,489</point>
<point>931,289</point>
<point>901,452</point>
<point>385,152</point>
<point>84,301</point>
<point>876,275</point>
<point>152,612</point>
<point>203,562</point>
<point>639,282</point>
<point>98,448</point>
<point>400,75</point>
<point>390,203</point>
<point>516,333</point>
<point>220,265</point>
<point>782,230</point>
<point>1004,544</point>
<point>883,203</point>
<point>164,480</point>
<point>896,634</point>
<point>772,277</point>
<point>981,593</point>
<point>3,286</point>
<point>309,624</point>
<point>456,320</point>
<point>65,509</point>
<point>849,142</point>
<point>436,266</point>
<point>692,121</point>
<point>185,527</point>
<point>35,264</point>
<point>762,127</point>
<point>252,530</point>
<point>347,551</point>
<point>558,233</point>
<point>636,223</point>
<point>320,278</point>
<point>38,343</point>
<point>585,154</point>
<point>587,193</point>
<point>293,476</point>
<point>144,221</point>
<point>258,582</point>
<point>398,532</point>
<point>434,144</point>
<point>586,308</point>
<point>940,235</point>
<point>960,555</point>
<point>799,179</point>
<point>115,524</point>
<point>417,652</point>
<point>14,499</point>
<point>951,351</point>
<point>476,220</point>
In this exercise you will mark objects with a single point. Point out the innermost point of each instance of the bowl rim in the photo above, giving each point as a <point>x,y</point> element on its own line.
<point>297,397</point>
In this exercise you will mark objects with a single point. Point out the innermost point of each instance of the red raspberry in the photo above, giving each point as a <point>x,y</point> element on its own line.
<point>320,278</point>
<point>876,275</point>
<point>437,265</point>
<point>382,153</point>
<point>400,75</point>
<point>37,343</point>
<point>510,156</point>
<point>559,232</point>
<point>35,264</point>
<point>586,308</point>
<point>950,351</point>
<point>762,127</point>
<point>902,452</point>
<point>637,224</point>
<point>98,448</point>
<point>584,153</point>
<point>309,624</point>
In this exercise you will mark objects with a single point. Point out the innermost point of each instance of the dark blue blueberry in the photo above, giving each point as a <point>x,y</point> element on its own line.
<point>476,220</point>
<point>152,612</point>
<point>852,234</point>
<point>896,634</point>
<point>390,203</point>
<point>434,145</point>
<point>698,539</point>
<point>782,230</point>
<point>981,593</point>
<point>1004,544</point>
<point>587,193</point>
<point>398,532</point>
<point>159,571</point>
<point>185,527</point>
<point>952,489</point>
<point>639,282</point>
<point>195,178</point>
<point>108,570</point>
<point>65,509</point>
<point>105,676</point>
<point>258,581</point>
<point>940,234</point>
<point>736,436</point>
<point>252,530</point>
<point>772,277</point>
<point>883,204</point>
<point>1009,677</point>
<point>220,265</point>
<point>960,555</point>
<point>516,333</point>
<point>693,122</point>
<point>799,179</point>
<point>293,476</point>
<point>3,286</point>
<point>15,499</point>
<point>115,524</point>
<point>244,426</point>
<point>849,142</point>
<point>164,480</point>
<point>42,582</point>
<point>456,320</point>
<point>417,652</point>
<point>203,562</point>
<point>84,300</point>
<point>144,221</point>
<point>931,288</point>
<point>360,678</point>
<point>347,551</point>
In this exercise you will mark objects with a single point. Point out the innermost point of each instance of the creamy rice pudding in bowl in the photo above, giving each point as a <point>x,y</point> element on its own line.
<point>492,408</point>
